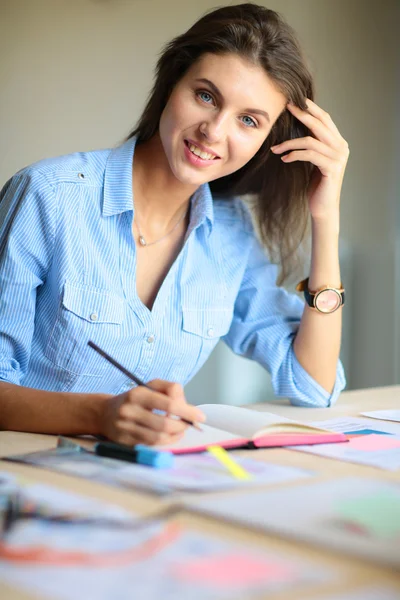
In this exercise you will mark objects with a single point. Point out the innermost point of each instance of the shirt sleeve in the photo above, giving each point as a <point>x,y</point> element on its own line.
<point>27,232</point>
<point>265,321</point>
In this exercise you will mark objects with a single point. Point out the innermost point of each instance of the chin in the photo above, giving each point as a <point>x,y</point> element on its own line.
<point>194,180</point>
<point>188,177</point>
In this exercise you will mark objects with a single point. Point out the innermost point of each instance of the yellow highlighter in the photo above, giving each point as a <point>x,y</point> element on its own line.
<point>223,457</point>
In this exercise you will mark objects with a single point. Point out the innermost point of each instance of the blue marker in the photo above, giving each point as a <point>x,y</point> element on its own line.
<point>140,454</point>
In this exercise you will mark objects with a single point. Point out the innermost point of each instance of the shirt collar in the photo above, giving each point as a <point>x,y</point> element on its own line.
<point>201,208</point>
<point>118,197</point>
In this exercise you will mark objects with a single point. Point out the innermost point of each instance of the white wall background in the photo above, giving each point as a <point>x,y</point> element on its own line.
<point>74,75</point>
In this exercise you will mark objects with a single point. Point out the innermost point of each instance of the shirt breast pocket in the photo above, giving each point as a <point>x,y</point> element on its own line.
<point>202,329</point>
<point>85,313</point>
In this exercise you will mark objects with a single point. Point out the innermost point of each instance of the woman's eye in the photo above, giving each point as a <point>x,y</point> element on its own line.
<point>205,96</point>
<point>249,122</point>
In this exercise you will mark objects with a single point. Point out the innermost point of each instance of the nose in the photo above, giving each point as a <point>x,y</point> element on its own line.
<point>214,129</point>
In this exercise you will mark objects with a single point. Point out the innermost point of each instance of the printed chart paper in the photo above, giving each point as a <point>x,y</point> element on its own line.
<point>370,443</point>
<point>357,424</point>
<point>358,516</point>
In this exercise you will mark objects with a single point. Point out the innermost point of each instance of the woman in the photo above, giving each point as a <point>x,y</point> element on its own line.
<point>148,249</point>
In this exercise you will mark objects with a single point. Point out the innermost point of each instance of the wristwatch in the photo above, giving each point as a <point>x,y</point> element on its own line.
<point>326,299</point>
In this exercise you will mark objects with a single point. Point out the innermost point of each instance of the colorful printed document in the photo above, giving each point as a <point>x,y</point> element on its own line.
<point>385,415</point>
<point>358,424</point>
<point>370,443</point>
<point>161,560</point>
<point>353,515</point>
<point>190,473</point>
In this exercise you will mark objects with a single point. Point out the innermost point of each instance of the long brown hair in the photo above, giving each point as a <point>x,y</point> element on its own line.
<point>278,191</point>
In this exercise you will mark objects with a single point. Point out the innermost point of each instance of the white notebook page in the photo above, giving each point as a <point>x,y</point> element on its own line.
<point>193,438</point>
<point>243,422</point>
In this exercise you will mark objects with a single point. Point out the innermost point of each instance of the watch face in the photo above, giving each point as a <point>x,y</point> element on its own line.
<point>327,301</point>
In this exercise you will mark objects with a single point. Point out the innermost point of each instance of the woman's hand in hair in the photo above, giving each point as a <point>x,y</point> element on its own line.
<point>327,150</point>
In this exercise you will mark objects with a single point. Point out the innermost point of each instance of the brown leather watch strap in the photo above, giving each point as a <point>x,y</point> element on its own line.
<point>309,295</point>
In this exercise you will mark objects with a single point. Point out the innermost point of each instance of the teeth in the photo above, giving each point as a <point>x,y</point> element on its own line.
<point>198,152</point>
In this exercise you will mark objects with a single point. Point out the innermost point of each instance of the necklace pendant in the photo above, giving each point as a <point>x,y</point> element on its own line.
<point>142,241</point>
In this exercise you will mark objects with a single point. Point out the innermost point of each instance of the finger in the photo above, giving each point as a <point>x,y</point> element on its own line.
<point>305,143</point>
<point>172,406</point>
<point>172,389</point>
<point>129,432</point>
<point>172,439</point>
<point>143,435</point>
<point>321,114</point>
<point>131,439</point>
<point>320,161</point>
<point>325,117</point>
<point>142,416</point>
<point>318,127</point>
<point>148,398</point>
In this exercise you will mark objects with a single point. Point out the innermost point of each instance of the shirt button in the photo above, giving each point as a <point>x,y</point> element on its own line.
<point>210,332</point>
<point>150,339</point>
<point>81,176</point>
<point>93,317</point>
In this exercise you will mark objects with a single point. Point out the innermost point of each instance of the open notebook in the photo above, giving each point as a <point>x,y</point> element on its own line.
<point>234,427</point>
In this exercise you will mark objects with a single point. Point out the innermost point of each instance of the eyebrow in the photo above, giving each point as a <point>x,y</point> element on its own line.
<point>218,93</point>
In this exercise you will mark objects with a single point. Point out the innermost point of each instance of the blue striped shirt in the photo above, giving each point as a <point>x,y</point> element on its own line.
<point>67,274</point>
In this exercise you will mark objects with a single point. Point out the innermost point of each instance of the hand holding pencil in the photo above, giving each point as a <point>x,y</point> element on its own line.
<point>129,418</point>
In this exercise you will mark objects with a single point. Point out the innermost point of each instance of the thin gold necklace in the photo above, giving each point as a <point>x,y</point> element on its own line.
<point>142,239</point>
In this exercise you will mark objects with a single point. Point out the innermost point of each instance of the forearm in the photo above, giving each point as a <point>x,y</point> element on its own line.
<point>317,343</point>
<point>38,411</point>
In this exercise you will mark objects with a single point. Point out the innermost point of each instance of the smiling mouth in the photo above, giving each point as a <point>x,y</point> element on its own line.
<point>199,153</point>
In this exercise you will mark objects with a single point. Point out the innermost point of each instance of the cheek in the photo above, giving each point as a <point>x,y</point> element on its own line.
<point>170,123</point>
<point>178,113</point>
<point>244,146</point>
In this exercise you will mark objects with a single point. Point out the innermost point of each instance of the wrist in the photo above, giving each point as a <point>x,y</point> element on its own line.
<point>325,267</point>
<point>100,405</point>
<point>329,224</point>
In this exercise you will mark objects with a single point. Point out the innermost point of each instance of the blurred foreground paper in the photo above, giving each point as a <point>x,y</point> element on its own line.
<point>353,515</point>
<point>160,560</point>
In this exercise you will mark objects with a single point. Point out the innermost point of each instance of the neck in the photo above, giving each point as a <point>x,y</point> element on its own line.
<point>159,197</point>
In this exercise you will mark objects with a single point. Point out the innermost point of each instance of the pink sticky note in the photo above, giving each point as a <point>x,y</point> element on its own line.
<point>374,441</point>
<point>231,570</point>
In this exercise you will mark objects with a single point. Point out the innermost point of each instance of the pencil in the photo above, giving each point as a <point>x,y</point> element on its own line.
<point>133,377</point>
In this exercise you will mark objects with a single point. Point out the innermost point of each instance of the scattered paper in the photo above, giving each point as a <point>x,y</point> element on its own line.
<point>388,459</point>
<point>377,514</point>
<point>373,442</point>
<point>202,473</point>
<point>368,593</point>
<point>160,560</point>
<point>233,570</point>
<point>354,424</point>
<point>386,415</point>
<point>188,565</point>
<point>349,514</point>
<point>378,446</point>
<point>192,472</point>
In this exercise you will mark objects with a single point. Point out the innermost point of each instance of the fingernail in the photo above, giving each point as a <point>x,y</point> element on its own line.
<point>201,417</point>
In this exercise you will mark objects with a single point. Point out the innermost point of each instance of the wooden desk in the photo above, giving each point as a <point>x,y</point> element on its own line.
<point>351,572</point>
